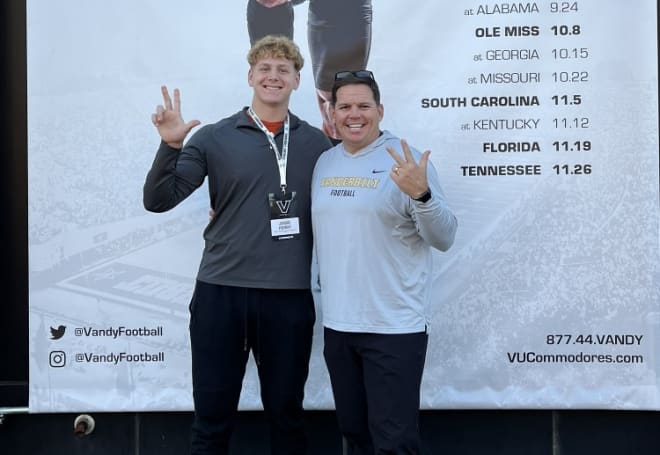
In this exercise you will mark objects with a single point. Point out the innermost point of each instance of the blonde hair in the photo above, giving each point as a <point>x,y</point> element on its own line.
<point>276,47</point>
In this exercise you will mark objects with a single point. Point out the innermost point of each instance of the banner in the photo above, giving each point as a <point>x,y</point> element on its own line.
<point>542,119</point>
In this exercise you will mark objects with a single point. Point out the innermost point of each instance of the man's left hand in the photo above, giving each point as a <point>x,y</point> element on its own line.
<point>409,176</point>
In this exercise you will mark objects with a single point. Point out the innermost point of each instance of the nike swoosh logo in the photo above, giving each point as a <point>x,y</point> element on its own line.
<point>374,171</point>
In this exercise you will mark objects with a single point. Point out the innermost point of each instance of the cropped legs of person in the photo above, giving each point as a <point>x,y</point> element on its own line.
<point>338,35</point>
<point>226,323</point>
<point>376,381</point>
<point>339,39</point>
<point>263,20</point>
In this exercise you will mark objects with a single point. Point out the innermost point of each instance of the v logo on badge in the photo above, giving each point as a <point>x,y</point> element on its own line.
<point>284,206</point>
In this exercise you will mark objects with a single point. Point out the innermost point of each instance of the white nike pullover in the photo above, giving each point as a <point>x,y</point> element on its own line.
<point>372,262</point>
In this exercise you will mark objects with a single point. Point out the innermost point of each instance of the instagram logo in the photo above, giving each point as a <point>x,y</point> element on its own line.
<point>57,359</point>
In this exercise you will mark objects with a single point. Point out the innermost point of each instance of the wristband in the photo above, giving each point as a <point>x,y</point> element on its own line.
<point>424,197</point>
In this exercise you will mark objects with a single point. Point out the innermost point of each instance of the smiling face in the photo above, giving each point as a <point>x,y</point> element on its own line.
<point>357,116</point>
<point>273,80</point>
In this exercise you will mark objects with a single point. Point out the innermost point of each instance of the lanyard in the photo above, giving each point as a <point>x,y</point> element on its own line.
<point>281,157</point>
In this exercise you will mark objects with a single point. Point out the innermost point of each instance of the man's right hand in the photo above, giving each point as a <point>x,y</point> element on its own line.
<point>169,122</point>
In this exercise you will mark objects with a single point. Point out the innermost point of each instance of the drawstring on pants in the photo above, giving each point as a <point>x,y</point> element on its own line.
<point>245,321</point>
<point>256,349</point>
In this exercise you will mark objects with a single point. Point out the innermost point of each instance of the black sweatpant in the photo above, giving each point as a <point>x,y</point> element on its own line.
<point>376,381</point>
<point>225,324</point>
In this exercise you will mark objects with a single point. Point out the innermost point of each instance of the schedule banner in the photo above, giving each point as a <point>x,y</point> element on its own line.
<point>542,121</point>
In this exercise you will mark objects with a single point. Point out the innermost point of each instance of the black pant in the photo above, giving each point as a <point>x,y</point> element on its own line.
<point>225,324</point>
<point>376,382</point>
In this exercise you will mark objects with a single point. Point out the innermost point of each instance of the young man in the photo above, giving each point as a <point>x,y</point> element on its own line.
<point>252,289</point>
<point>377,211</point>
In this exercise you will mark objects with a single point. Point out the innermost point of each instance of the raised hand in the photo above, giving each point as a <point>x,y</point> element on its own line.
<point>169,122</point>
<point>409,175</point>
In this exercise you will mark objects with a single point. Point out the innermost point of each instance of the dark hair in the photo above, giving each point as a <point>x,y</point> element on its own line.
<point>364,77</point>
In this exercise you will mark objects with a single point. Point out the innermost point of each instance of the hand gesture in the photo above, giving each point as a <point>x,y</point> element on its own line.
<point>169,122</point>
<point>409,176</point>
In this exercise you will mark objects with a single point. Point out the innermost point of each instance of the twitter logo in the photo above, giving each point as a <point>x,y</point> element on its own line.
<point>57,333</point>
